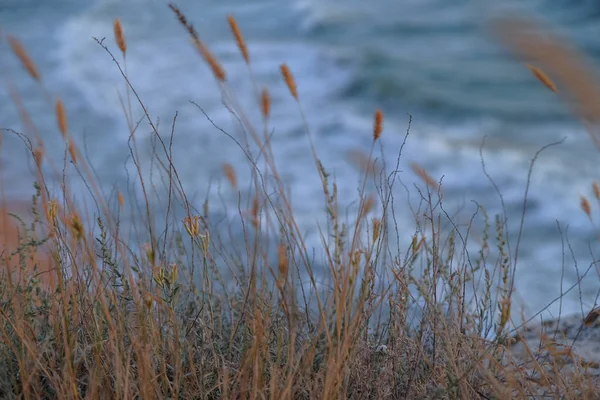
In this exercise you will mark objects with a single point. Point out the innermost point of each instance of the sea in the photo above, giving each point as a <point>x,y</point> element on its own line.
<point>433,63</point>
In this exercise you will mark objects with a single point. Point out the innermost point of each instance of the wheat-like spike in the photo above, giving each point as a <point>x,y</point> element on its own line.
<point>121,200</point>
<point>592,316</point>
<point>38,155</point>
<point>20,52</point>
<point>266,103</point>
<point>282,262</point>
<point>541,75</point>
<point>210,59</point>
<point>230,174</point>
<point>422,173</point>
<point>596,188</point>
<point>120,38</point>
<point>378,126</point>
<point>369,203</point>
<point>585,206</point>
<point>565,64</point>
<point>73,151</point>
<point>254,211</point>
<point>62,118</point>
<point>239,38</point>
<point>363,161</point>
<point>289,80</point>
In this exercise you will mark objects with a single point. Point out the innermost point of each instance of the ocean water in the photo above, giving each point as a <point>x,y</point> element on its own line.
<point>432,59</point>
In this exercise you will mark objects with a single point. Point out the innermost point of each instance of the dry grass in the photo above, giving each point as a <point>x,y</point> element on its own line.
<point>187,313</point>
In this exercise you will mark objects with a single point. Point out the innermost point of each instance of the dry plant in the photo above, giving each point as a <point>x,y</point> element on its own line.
<point>186,311</point>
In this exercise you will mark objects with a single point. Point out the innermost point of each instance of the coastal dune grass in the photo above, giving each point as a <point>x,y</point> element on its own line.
<point>185,312</point>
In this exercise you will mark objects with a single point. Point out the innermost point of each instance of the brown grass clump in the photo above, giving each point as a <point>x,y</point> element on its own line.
<point>180,306</point>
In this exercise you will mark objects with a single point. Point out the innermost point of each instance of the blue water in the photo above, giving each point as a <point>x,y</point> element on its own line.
<point>432,59</point>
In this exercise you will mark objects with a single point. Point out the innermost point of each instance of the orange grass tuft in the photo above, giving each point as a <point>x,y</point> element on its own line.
<point>289,80</point>
<point>62,118</point>
<point>265,103</point>
<point>38,155</point>
<point>282,261</point>
<point>20,52</point>
<point>239,38</point>
<point>378,126</point>
<point>541,75</point>
<point>210,59</point>
<point>121,200</point>
<point>73,151</point>
<point>422,173</point>
<point>568,66</point>
<point>369,204</point>
<point>592,316</point>
<point>596,189</point>
<point>254,211</point>
<point>363,161</point>
<point>119,36</point>
<point>230,174</point>
<point>585,206</point>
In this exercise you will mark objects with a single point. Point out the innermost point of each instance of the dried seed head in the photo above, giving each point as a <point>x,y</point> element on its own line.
<point>585,206</point>
<point>62,118</point>
<point>568,66</point>
<point>120,38</point>
<point>541,75</point>
<point>38,155</point>
<point>596,188</point>
<point>73,151</point>
<point>202,49</point>
<point>369,203</point>
<point>239,38</point>
<point>363,161</point>
<point>282,262</point>
<point>421,173</point>
<point>52,210</point>
<point>210,59</point>
<point>20,52</point>
<point>266,103</point>
<point>378,126</point>
<point>376,229</point>
<point>230,174</point>
<point>289,80</point>
<point>254,211</point>
<point>76,226</point>
<point>192,225</point>
<point>148,300</point>
<point>121,200</point>
<point>592,316</point>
